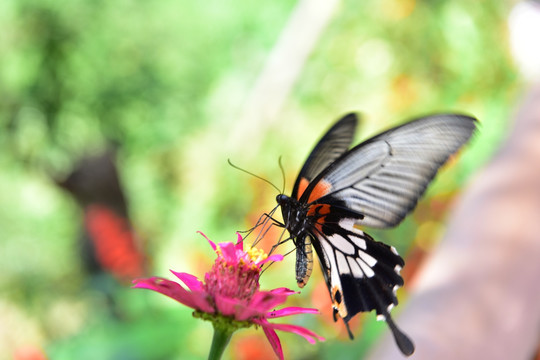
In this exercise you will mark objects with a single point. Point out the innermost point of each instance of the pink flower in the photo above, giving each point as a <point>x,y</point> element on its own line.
<point>230,295</point>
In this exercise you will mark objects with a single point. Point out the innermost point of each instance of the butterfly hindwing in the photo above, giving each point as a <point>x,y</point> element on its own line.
<point>361,274</point>
<point>355,265</point>
<point>383,177</point>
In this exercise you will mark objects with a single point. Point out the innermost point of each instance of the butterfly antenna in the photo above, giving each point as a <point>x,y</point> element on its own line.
<point>252,174</point>
<point>282,174</point>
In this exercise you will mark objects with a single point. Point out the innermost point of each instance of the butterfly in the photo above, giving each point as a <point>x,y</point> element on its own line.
<point>374,184</point>
<point>109,244</point>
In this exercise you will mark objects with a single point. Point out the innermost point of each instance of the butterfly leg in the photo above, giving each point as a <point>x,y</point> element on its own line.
<point>260,222</point>
<point>264,222</point>
<point>281,241</point>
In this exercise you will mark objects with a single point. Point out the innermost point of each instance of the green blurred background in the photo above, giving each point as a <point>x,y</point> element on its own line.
<point>170,84</point>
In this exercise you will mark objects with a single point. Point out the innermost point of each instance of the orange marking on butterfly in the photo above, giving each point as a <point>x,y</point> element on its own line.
<point>319,211</point>
<point>322,188</point>
<point>337,301</point>
<point>302,186</point>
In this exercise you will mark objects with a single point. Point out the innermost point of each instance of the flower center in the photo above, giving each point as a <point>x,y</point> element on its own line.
<point>256,255</point>
<point>237,279</point>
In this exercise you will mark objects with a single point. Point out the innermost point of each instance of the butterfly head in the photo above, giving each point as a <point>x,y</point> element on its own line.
<point>282,199</point>
<point>294,215</point>
<point>286,204</point>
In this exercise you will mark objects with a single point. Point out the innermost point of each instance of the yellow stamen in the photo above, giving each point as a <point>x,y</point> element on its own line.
<point>218,251</point>
<point>256,255</point>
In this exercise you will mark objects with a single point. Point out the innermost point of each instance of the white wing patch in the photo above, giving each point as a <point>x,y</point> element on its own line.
<point>345,255</point>
<point>361,243</point>
<point>368,259</point>
<point>365,268</point>
<point>335,282</point>
<point>348,223</point>
<point>349,258</point>
<point>343,266</point>
<point>355,268</point>
<point>342,244</point>
<point>332,261</point>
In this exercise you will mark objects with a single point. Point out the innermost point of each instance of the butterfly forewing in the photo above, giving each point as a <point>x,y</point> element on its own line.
<point>383,178</point>
<point>331,146</point>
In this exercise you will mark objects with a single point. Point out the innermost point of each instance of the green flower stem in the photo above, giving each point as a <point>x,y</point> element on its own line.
<point>224,327</point>
<point>221,338</point>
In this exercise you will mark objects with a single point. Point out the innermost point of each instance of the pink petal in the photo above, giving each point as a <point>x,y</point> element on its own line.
<point>227,306</point>
<point>284,291</point>
<point>273,339</point>
<point>228,250</point>
<point>299,330</point>
<point>275,257</point>
<point>166,287</point>
<point>265,300</point>
<point>196,300</point>
<point>236,308</point>
<point>239,242</point>
<point>191,281</point>
<point>245,312</point>
<point>202,302</point>
<point>291,311</point>
<point>210,241</point>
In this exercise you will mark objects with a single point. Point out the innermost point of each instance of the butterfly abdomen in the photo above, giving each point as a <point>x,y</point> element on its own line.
<point>304,261</point>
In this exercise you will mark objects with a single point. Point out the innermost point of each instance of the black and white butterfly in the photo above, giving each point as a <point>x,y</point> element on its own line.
<point>374,184</point>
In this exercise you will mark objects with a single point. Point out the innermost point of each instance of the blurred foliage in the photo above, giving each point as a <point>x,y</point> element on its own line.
<point>163,82</point>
